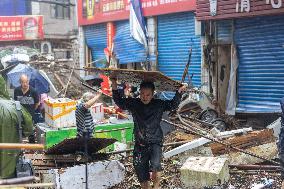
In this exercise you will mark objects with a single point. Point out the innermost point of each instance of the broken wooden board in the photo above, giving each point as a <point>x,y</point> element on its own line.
<point>202,141</point>
<point>135,77</point>
<point>73,145</point>
<point>268,151</point>
<point>251,139</point>
<point>44,162</point>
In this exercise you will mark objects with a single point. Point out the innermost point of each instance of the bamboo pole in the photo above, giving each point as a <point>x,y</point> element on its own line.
<point>18,180</point>
<point>18,146</point>
<point>36,185</point>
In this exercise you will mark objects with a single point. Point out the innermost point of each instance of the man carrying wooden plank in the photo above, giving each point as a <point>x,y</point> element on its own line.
<point>147,115</point>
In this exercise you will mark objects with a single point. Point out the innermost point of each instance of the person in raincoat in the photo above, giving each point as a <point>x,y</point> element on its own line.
<point>9,131</point>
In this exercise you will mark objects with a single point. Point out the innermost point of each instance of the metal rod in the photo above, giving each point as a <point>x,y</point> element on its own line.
<point>89,87</point>
<point>87,156</point>
<point>220,142</point>
<point>256,167</point>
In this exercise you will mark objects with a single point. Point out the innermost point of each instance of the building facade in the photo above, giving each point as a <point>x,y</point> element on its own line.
<point>171,29</point>
<point>59,25</point>
<point>246,39</point>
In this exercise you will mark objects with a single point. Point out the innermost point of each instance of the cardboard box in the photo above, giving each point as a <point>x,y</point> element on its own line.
<point>60,112</point>
<point>97,112</point>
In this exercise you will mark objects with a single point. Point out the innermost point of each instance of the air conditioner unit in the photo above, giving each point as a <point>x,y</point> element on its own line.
<point>45,47</point>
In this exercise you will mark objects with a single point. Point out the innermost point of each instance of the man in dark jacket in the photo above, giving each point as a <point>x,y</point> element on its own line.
<point>27,95</point>
<point>147,115</point>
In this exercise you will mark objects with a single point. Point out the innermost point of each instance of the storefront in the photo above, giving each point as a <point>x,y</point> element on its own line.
<point>96,40</point>
<point>126,48</point>
<point>255,32</point>
<point>171,33</point>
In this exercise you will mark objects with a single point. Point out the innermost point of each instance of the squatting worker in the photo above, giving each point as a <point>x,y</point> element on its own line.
<point>147,114</point>
<point>27,95</point>
<point>84,119</point>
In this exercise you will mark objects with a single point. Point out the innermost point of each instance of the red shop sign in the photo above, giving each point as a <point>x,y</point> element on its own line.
<point>99,11</point>
<point>226,9</point>
<point>21,28</point>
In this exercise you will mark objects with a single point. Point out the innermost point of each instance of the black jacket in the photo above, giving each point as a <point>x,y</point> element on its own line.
<point>147,117</point>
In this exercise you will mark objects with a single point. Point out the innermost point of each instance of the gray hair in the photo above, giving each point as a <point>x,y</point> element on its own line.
<point>24,76</point>
<point>87,96</point>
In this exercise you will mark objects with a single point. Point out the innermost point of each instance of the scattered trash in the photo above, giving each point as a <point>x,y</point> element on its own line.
<point>264,184</point>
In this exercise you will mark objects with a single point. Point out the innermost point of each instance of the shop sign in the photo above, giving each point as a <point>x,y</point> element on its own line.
<point>21,28</point>
<point>99,11</point>
<point>224,9</point>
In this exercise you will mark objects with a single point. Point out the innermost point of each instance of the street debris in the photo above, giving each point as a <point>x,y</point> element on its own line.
<point>205,150</point>
<point>204,172</point>
<point>100,175</point>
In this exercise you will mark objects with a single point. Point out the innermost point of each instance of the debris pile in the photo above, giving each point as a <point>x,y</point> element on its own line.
<point>59,73</point>
<point>241,157</point>
<point>63,73</point>
<point>245,170</point>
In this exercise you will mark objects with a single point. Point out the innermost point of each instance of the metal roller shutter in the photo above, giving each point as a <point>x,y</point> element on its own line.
<point>176,34</point>
<point>96,39</point>
<point>261,63</point>
<point>126,48</point>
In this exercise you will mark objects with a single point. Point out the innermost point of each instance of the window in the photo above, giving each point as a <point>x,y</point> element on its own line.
<point>60,9</point>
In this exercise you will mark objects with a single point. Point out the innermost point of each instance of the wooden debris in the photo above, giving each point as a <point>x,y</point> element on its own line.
<point>201,141</point>
<point>267,151</point>
<point>59,80</point>
<point>135,77</point>
<point>251,139</point>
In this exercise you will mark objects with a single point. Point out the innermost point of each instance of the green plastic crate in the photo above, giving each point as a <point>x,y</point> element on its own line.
<point>122,132</point>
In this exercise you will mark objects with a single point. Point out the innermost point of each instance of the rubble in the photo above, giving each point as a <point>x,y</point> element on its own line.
<point>251,139</point>
<point>268,151</point>
<point>201,141</point>
<point>200,172</point>
<point>59,73</point>
<point>275,125</point>
<point>261,143</point>
<point>100,175</point>
<point>239,178</point>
